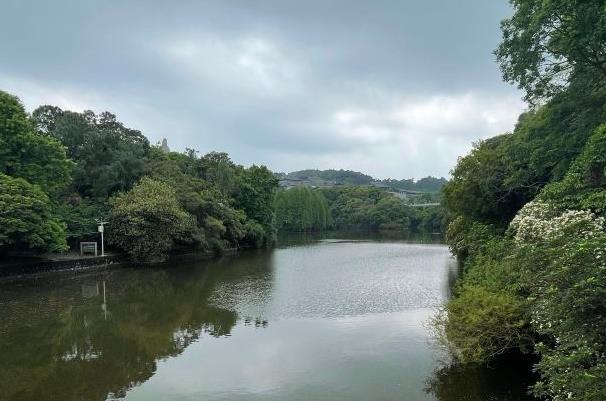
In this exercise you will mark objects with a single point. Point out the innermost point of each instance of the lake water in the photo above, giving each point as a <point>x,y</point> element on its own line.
<point>323,320</point>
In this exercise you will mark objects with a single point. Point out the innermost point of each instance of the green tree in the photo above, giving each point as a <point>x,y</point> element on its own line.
<point>548,44</point>
<point>148,221</point>
<point>255,197</point>
<point>26,218</point>
<point>37,158</point>
<point>109,156</point>
<point>301,209</point>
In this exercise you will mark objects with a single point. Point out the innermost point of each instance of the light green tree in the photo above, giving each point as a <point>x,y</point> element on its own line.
<point>147,221</point>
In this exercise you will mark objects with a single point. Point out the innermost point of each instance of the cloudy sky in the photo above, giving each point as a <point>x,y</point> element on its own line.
<point>391,88</point>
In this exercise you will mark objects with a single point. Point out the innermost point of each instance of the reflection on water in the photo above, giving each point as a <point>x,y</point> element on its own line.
<point>330,320</point>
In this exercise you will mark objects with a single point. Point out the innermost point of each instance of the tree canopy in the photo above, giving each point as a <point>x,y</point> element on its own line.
<point>147,221</point>
<point>26,218</point>
<point>548,44</point>
<point>23,153</point>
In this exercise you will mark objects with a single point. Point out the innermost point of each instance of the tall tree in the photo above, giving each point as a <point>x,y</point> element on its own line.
<point>37,158</point>
<point>26,218</point>
<point>548,44</point>
<point>109,156</point>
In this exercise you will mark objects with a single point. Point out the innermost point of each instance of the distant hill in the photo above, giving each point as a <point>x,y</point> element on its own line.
<point>335,176</point>
<point>348,177</point>
<point>425,184</point>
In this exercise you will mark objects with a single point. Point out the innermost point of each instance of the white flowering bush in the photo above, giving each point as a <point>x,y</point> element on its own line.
<point>538,222</point>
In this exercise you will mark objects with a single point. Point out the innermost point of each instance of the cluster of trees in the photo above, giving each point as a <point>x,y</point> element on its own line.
<point>376,209</point>
<point>348,177</point>
<point>62,170</point>
<point>351,207</point>
<point>528,209</point>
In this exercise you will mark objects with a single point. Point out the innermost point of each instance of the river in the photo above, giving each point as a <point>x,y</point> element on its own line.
<point>330,319</point>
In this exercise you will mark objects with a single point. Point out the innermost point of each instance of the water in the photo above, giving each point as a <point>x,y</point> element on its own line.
<point>322,320</point>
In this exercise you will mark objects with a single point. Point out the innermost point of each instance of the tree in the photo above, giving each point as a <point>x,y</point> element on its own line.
<point>37,158</point>
<point>147,221</point>
<point>109,156</point>
<point>26,219</point>
<point>45,117</point>
<point>256,196</point>
<point>301,209</point>
<point>548,44</point>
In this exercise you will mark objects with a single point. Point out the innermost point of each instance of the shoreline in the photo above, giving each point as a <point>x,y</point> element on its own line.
<point>88,263</point>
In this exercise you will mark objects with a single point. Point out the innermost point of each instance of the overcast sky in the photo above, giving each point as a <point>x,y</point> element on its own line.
<point>391,88</point>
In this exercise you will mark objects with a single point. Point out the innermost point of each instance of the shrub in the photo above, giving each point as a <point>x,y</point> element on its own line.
<point>146,221</point>
<point>480,324</point>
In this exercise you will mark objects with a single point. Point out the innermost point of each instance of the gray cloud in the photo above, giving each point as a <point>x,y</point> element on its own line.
<point>393,88</point>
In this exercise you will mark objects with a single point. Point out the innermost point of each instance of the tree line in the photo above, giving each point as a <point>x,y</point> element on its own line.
<point>60,171</point>
<point>348,177</point>
<point>527,209</point>
<point>351,207</point>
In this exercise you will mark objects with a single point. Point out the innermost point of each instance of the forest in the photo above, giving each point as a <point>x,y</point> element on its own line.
<point>352,207</point>
<point>527,209</point>
<point>61,171</point>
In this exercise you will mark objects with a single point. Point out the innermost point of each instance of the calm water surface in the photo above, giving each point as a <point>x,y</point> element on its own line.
<point>326,320</point>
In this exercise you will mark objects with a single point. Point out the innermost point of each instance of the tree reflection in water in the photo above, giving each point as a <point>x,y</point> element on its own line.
<point>59,340</point>
<point>507,381</point>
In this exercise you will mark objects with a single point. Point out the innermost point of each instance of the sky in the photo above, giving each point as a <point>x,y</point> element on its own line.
<point>395,89</point>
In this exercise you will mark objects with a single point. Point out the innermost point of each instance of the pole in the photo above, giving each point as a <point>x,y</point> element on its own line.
<point>101,229</point>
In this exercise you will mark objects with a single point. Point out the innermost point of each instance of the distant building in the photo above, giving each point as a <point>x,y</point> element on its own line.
<point>379,184</point>
<point>164,147</point>
<point>400,193</point>
<point>405,193</point>
<point>288,183</point>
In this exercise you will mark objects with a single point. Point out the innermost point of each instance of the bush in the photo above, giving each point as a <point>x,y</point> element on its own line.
<point>147,221</point>
<point>480,324</point>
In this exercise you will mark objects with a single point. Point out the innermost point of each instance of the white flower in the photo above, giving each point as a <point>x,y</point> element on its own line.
<point>538,222</point>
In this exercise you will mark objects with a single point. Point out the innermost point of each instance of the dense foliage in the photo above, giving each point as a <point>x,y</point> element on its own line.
<point>548,44</point>
<point>33,170</point>
<point>232,205</point>
<point>376,209</point>
<point>301,209</point>
<point>26,218</point>
<point>528,210</point>
<point>61,171</point>
<point>109,157</point>
<point>147,221</point>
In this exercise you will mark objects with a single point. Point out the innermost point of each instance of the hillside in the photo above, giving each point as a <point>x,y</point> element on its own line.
<point>332,177</point>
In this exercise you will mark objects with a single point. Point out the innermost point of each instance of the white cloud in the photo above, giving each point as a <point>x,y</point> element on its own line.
<point>247,64</point>
<point>416,136</point>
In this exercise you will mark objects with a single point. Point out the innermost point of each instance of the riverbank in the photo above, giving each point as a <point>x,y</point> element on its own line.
<point>74,262</point>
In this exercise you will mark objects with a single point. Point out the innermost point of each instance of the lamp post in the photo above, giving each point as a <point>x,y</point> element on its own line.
<point>101,229</point>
